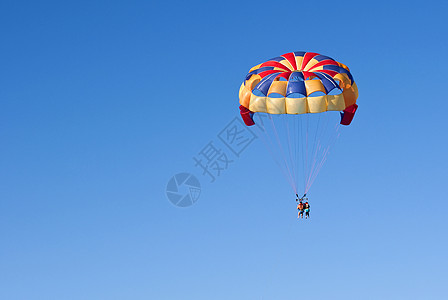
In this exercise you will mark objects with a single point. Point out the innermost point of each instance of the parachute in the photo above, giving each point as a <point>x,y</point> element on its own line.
<point>292,99</point>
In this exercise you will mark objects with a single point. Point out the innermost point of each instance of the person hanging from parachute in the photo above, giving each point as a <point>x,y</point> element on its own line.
<point>307,210</point>
<point>298,88</point>
<point>303,207</point>
<point>300,208</point>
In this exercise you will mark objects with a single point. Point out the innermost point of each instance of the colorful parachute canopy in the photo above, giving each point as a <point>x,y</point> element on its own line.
<point>299,83</point>
<point>292,98</point>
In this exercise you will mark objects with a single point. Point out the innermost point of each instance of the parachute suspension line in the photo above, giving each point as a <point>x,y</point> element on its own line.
<point>314,151</point>
<point>323,158</point>
<point>318,168</point>
<point>317,146</point>
<point>283,154</point>
<point>306,148</point>
<point>296,148</point>
<point>302,150</point>
<point>269,144</point>
<point>290,145</point>
<point>309,143</point>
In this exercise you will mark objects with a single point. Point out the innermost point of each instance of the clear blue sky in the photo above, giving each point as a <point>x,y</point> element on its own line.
<point>101,102</point>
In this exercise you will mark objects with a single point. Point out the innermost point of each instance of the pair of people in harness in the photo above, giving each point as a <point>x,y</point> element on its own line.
<point>303,207</point>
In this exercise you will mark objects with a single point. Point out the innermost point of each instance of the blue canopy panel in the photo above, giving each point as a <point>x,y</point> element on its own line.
<point>296,84</point>
<point>328,82</point>
<point>277,59</point>
<point>257,71</point>
<point>339,70</point>
<point>322,57</point>
<point>264,85</point>
<point>299,53</point>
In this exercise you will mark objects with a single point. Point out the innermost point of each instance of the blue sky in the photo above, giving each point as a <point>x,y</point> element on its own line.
<point>102,102</point>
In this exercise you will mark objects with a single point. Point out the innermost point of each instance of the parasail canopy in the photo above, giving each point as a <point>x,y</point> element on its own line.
<point>293,99</point>
<point>298,83</point>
